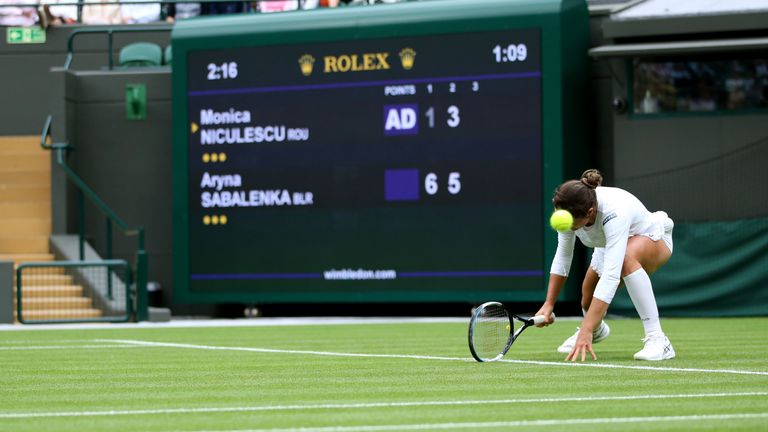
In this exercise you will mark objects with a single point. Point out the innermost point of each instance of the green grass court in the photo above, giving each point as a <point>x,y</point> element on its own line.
<point>387,376</point>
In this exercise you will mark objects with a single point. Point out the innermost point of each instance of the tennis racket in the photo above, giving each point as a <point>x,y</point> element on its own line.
<point>491,331</point>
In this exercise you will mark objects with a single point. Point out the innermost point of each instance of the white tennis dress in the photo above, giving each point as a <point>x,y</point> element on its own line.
<point>620,215</point>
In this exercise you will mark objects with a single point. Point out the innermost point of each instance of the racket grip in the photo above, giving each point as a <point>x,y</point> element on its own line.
<point>538,319</point>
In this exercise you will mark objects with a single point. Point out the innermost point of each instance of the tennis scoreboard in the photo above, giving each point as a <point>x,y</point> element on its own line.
<point>375,154</point>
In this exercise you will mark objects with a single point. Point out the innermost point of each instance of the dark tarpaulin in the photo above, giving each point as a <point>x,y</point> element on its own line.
<point>717,269</point>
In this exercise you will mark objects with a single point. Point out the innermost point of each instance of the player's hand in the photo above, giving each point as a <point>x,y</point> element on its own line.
<point>545,310</point>
<point>582,346</point>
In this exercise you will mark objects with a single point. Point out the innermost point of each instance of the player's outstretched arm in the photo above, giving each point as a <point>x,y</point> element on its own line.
<point>583,345</point>
<point>556,283</point>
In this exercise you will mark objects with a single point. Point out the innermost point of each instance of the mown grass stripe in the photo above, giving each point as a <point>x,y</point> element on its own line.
<point>519,423</point>
<point>425,357</point>
<point>58,347</point>
<point>191,410</point>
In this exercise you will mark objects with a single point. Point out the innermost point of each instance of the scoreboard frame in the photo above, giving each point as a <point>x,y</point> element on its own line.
<point>563,27</point>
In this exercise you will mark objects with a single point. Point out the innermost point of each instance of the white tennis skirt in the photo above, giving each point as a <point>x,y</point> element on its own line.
<point>660,229</point>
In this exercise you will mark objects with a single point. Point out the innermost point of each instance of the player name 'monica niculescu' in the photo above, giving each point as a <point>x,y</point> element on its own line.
<point>244,134</point>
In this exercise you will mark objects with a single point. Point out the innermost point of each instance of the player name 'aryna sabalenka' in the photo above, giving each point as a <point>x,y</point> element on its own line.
<point>255,198</point>
<point>246,198</point>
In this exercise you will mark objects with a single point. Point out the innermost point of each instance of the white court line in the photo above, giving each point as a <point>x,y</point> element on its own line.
<point>371,405</point>
<point>26,342</point>
<point>507,424</point>
<point>247,322</point>
<point>424,357</point>
<point>56,347</point>
<point>649,368</point>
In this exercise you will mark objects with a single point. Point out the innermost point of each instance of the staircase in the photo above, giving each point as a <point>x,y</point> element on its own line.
<point>25,227</point>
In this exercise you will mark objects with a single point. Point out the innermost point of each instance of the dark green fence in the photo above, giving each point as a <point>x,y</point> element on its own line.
<point>717,269</point>
<point>73,291</point>
<point>139,272</point>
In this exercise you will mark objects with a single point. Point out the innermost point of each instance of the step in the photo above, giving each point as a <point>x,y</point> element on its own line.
<point>24,209</point>
<point>23,192</point>
<point>51,290</point>
<point>60,314</point>
<point>20,143</point>
<point>42,271</point>
<point>23,244</point>
<point>19,258</point>
<point>26,177</point>
<point>25,162</point>
<point>39,280</point>
<point>33,269</point>
<point>26,227</point>
<point>28,150</point>
<point>56,303</point>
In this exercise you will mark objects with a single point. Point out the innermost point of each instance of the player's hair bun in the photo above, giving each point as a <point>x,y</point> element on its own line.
<point>592,178</point>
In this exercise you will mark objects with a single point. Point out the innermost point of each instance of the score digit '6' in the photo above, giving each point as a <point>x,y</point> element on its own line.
<point>431,183</point>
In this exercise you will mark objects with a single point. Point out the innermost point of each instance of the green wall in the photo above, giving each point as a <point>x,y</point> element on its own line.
<point>28,92</point>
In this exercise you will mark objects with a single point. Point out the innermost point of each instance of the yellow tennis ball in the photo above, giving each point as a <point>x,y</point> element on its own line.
<point>561,220</point>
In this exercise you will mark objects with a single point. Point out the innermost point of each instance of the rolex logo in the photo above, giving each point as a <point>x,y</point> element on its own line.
<point>407,57</point>
<point>306,63</point>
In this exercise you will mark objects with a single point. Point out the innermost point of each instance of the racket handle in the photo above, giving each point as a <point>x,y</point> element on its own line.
<point>538,319</point>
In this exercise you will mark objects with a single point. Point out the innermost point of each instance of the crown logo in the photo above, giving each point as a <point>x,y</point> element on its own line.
<point>407,57</point>
<point>306,63</point>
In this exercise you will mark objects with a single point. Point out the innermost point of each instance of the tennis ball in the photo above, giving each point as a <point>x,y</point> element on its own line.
<point>561,220</point>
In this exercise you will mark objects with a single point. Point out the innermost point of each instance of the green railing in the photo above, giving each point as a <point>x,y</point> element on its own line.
<point>112,219</point>
<point>90,299</point>
<point>110,32</point>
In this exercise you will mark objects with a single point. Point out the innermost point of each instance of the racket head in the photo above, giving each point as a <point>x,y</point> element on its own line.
<point>490,332</point>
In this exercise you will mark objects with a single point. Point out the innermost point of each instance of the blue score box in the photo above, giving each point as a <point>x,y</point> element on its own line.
<point>401,185</point>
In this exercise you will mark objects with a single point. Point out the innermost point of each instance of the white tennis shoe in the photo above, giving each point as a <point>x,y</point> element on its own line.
<point>598,335</point>
<point>657,347</point>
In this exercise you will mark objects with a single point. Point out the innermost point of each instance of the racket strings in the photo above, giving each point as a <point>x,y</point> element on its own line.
<point>491,332</point>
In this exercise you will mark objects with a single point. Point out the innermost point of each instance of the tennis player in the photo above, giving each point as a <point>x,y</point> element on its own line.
<point>629,244</point>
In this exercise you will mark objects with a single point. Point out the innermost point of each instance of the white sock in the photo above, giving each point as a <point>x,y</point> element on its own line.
<point>641,292</point>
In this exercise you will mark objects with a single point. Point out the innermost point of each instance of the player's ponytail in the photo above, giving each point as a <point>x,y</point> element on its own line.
<point>578,196</point>
<point>592,178</point>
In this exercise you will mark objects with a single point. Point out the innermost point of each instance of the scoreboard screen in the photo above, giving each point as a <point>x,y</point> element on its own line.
<point>389,168</point>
